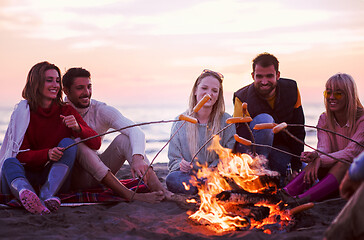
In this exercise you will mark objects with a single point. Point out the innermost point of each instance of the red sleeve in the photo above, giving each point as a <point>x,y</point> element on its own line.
<point>86,131</point>
<point>35,158</point>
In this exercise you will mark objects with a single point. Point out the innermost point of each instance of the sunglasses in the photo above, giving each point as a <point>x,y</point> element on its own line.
<point>214,73</point>
<point>337,94</point>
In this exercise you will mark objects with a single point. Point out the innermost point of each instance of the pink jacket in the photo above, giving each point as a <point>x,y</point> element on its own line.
<point>338,146</point>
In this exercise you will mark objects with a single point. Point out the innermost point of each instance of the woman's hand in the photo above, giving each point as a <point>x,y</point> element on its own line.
<point>308,157</point>
<point>71,122</point>
<point>54,154</point>
<point>185,166</point>
<point>311,171</point>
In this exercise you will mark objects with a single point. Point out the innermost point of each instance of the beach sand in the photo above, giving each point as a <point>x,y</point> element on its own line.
<point>138,220</point>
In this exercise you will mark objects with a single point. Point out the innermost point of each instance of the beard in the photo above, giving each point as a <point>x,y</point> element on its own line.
<point>81,104</point>
<point>266,89</point>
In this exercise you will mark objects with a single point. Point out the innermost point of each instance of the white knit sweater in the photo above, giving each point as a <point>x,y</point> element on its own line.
<point>101,117</point>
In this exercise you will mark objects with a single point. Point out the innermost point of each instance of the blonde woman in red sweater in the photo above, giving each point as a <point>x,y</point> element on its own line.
<point>35,165</point>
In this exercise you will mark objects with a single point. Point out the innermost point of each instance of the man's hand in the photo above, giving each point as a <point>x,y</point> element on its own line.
<point>71,122</point>
<point>311,171</point>
<point>185,166</point>
<point>348,186</point>
<point>54,154</point>
<point>139,167</point>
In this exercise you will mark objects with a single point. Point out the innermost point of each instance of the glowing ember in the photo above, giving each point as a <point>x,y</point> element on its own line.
<point>223,208</point>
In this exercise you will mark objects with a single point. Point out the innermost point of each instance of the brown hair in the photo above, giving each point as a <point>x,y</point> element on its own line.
<point>265,60</point>
<point>35,83</point>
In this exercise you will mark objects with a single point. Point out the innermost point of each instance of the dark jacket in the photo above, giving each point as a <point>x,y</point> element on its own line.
<point>285,110</point>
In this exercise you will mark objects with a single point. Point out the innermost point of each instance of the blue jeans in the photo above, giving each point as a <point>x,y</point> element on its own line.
<point>174,182</point>
<point>278,161</point>
<point>13,169</point>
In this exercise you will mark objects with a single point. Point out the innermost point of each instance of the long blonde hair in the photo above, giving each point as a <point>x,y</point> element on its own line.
<point>354,108</point>
<point>218,109</point>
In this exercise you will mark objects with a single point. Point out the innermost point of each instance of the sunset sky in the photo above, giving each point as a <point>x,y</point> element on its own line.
<point>151,52</point>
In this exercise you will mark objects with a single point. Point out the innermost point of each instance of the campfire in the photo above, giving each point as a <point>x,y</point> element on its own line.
<point>239,194</point>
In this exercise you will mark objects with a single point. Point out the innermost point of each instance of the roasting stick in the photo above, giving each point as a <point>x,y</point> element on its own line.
<point>326,130</point>
<point>282,126</point>
<point>246,113</point>
<point>248,143</point>
<point>184,118</point>
<point>229,121</point>
<point>272,125</point>
<point>117,130</point>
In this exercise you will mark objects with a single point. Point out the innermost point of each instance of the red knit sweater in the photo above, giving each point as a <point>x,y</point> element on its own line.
<point>46,129</point>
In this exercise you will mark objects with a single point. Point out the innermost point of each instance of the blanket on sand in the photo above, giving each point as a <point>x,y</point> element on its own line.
<point>96,195</point>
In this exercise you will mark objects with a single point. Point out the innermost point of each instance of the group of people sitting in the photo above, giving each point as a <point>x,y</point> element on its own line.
<point>37,161</point>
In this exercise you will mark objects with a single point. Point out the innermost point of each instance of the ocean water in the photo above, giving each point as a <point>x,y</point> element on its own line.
<point>158,134</point>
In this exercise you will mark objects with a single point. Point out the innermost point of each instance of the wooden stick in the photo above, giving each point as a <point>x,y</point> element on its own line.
<point>212,136</point>
<point>117,130</point>
<point>149,166</point>
<point>326,130</point>
<point>299,140</point>
<point>198,106</point>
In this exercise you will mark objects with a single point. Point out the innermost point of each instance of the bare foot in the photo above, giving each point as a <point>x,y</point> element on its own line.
<point>152,197</point>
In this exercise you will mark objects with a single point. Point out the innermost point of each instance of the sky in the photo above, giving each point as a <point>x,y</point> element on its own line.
<point>151,52</point>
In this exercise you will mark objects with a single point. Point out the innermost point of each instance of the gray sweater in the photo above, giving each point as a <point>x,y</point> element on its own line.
<point>179,146</point>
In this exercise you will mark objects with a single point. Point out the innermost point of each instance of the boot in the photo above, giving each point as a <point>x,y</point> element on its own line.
<point>24,192</point>
<point>322,189</point>
<point>56,177</point>
<point>297,186</point>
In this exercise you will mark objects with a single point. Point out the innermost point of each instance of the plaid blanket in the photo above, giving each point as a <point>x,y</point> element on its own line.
<point>97,195</point>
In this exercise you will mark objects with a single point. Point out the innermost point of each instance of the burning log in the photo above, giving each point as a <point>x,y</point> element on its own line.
<point>243,197</point>
<point>258,213</point>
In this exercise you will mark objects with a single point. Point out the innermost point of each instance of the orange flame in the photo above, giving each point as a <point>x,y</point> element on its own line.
<point>243,171</point>
<point>187,187</point>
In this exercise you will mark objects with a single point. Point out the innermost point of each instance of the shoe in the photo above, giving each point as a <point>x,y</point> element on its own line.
<point>24,192</point>
<point>292,201</point>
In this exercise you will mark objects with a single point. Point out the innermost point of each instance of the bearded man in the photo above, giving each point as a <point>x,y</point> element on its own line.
<point>271,99</point>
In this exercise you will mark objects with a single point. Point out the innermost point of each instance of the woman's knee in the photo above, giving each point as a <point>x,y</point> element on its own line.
<point>12,169</point>
<point>11,163</point>
<point>339,170</point>
<point>69,155</point>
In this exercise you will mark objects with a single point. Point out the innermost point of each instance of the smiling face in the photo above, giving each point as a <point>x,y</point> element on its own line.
<point>80,92</point>
<point>265,80</point>
<point>208,85</point>
<point>336,100</point>
<point>51,85</point>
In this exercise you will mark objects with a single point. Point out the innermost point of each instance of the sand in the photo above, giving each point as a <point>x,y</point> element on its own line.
<point>139,220</point>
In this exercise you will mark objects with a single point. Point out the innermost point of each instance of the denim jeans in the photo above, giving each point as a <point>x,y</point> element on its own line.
<point>13,169</point>
<point>174,182</point>
<point>278,161</point>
